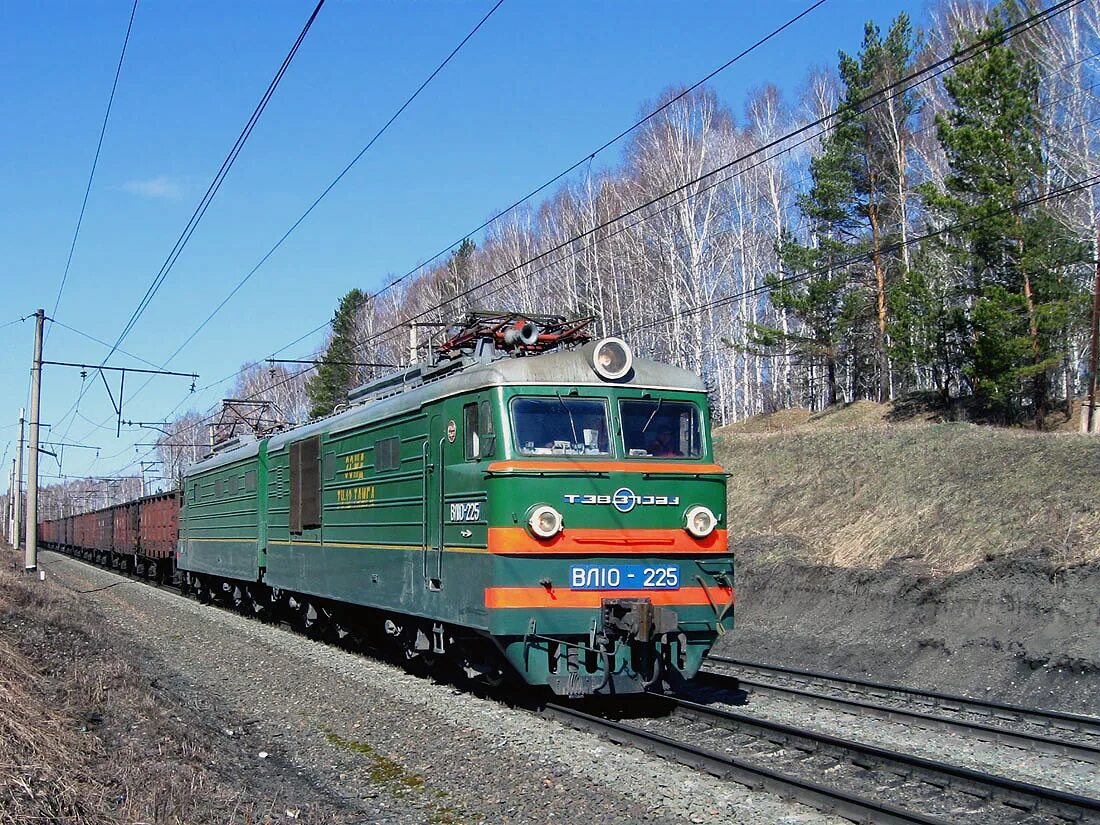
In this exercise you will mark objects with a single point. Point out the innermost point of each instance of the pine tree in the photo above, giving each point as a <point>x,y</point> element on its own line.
<point>1014,257</point>
<point>330,384</point>
<point>856,208</point>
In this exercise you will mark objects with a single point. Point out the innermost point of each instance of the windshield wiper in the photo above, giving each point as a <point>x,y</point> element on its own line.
<point>569,412</point>
<point>653,414</point>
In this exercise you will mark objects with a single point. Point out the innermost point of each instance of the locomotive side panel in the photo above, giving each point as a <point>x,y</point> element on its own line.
<point>374,537</point>
<point>220,522</point>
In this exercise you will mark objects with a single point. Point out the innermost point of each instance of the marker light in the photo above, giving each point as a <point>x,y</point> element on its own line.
<point>700,521</point>
<point>612,358</point>
<point>544,521</point>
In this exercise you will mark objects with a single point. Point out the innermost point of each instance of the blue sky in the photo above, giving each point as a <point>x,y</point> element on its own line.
<point>542,84</point>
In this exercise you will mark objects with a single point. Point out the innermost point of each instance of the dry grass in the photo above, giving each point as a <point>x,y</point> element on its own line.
<point>918,408</point>
<point>84,737</point>
<point>945,496</point>
<point>43,763</point>
<point>855,414</point>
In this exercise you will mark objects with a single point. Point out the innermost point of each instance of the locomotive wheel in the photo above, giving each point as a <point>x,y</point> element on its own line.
<point>201,590</point>
<point>312,621</point>
<point>241,599</point>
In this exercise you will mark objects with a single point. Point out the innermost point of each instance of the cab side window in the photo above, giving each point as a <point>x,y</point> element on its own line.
<point>470,432</point>
<point>477,431</point>
<point>488,436</point>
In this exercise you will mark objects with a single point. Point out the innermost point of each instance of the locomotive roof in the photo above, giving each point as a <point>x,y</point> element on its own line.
<point>558,368</point>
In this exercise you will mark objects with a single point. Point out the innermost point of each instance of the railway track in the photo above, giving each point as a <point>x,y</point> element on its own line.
<point>865,783</point>
<point>1044,731</point>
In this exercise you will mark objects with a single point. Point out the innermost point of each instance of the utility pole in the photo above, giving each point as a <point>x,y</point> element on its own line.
<point>31,563</point>
<point>17,516</point>
<point>1092,424</point>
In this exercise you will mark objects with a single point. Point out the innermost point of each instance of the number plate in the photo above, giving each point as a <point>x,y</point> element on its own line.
<point>624,577</point>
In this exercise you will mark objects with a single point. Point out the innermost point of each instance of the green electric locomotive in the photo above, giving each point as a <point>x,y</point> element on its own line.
<point>529,501</point>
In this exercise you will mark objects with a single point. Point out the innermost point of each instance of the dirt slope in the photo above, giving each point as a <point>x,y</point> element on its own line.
<point>948,496</point>
<point>951,556</point>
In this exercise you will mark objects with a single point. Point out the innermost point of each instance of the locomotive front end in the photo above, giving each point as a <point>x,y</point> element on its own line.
<point>611,572</point>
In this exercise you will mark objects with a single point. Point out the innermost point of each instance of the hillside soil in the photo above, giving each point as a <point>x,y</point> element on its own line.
<point>1008,630</point>
<point>954,557</point>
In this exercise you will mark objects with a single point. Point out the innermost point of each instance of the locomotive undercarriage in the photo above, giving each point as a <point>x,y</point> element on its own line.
<point>419,644</point>
<point>633,646</point>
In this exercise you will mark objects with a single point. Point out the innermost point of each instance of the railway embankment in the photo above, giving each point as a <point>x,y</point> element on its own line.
<point>952,556</point>
<point>289,729</point>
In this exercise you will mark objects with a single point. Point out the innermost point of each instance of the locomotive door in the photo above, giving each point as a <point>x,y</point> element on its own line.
<point>435,476</point>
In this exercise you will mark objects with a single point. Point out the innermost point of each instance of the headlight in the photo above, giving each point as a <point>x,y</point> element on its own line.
<point>544,521</point>
<point>700,521</point>
<point>612,358</point>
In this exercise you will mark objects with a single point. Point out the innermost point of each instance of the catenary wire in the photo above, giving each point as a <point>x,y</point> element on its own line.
<point>1021,26</point>
<point>953,59</point>
<point>207,198</point>
<point>946,63</point>
<point>333,183</point>
<point>933,70</point>
<point>216,183</point>
<point>1071,188</point>
<point>850,110</point>
<point>95,160</point>
<point>588,157</point>
<point>324,192</point>
<point>574,166</point>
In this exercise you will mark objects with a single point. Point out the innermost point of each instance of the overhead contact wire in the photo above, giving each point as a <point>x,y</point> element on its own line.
<point>955,58</point>
<point>850,110</point>
<point>95,160</point>
<point>959,56</point>
<point>208,197</point>
<point>324,192</point>
<point>332,184</point>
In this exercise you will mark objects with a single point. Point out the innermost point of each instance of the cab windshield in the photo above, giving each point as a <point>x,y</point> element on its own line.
<point>661,428</point>
<point>560,426</point>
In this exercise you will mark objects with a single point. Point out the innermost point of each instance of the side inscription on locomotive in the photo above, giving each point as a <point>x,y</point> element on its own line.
<point>354,464</point>
<point>355,495</point>
<point>466,511</point>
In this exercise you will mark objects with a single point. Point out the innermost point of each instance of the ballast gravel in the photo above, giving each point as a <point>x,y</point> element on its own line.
<point>1048,770</point>
<point>393,746</point>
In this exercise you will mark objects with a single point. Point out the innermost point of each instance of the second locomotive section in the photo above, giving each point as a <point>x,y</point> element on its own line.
<point>560,512</point>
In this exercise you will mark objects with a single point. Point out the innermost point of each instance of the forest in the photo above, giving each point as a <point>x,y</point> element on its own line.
<point>920,218</point>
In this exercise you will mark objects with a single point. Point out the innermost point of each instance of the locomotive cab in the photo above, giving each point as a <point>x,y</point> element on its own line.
<point>610,567</point>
